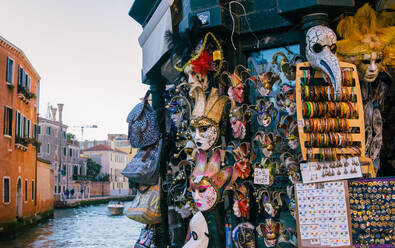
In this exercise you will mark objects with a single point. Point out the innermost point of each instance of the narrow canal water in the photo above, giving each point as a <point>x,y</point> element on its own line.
<point>80,227</point>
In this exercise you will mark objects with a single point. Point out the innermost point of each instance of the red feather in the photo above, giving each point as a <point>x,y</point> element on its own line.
<point>203,64</point>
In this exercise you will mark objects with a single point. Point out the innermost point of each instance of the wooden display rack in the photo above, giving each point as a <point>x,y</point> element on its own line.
<point>366,163</point>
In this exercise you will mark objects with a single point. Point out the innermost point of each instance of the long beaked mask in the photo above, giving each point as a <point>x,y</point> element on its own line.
<point>206,116</point>
<point>208,179</point>
<point>198,232</point>
<point>320,52</point>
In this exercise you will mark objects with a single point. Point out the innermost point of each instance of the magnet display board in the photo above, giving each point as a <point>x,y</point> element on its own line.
<point>323,215</point>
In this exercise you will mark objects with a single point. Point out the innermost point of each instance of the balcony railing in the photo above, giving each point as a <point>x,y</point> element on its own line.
<point>81,178</point>
<point>21,143</point>
<point>24,94</point>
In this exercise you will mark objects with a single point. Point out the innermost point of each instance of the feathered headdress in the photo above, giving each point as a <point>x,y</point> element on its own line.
<point>367,32</point>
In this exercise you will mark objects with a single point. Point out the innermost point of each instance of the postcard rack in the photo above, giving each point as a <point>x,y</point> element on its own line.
<point>325,118</point>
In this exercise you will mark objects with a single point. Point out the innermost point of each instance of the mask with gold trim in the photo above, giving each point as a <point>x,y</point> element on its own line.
<point>236,82</point>
<point>265,141</point>
<point>264,82</point>
<point>266,112</point>
<point>368,41</point>
<point>286,98</point>
<point>287,128</point>
<point>238,119</point>
<point>208,179</point>
<point>206,116</point>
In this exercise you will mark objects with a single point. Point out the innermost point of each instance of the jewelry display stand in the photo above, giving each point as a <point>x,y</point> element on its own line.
<point>357,137</point>
<point>323,215</point>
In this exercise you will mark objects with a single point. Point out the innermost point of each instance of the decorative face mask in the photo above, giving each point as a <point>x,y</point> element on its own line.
<point>180,110</point>
<point>243,155</point>
<point>264,82</point>
<point>286,99</point>
<point>287,128</point>
<point>244,235</point>
<point>206,116</point>
<point>236,83</point>
<point>291,166</point>
<point>265,142</point>
<point>320,52</point>
<point>207,180</point>
<point>367,38</point>
<point>196,79</point>
<point>238,120</point>
<point>241,207</point>
<point>270,200</point>
<point>198,237</point>
<point>270,231</point>
<point>266,112</point>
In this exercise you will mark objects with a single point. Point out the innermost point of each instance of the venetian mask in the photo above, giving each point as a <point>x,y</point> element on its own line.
<point>264,82</point>
<point>237,120</point>
<point>199,235</point>
<point>196,79</point>
<point>206,116</point>
<point>180,109</point>
<point>266,112</point>
<point>207,180</point>
<point>243,155</point>
<point>270,231</point>
<point>241,206</point>
<point>287,128</point>
<point>367,38</point>
<point>236,82</point>
<point>244,235</point>
<point>265,141</point>
<point>320,52</point>
<point>292,167</point>
<point>286,99</point>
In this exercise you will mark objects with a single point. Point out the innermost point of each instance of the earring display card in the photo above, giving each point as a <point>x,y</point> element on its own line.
<point>322,215</point>
<point>345,168</point>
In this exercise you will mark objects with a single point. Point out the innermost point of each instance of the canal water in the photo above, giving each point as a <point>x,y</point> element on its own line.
<point>84,227</point>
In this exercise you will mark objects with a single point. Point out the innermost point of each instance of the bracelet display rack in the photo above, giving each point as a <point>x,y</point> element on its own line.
<point>331,126</point>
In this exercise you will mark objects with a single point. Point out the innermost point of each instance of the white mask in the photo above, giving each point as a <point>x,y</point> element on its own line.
<point>204,136</point>
<point>320,52</point>
<point>199,232</point>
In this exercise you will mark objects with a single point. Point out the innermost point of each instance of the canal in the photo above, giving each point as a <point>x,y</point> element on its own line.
<point>85,227</point>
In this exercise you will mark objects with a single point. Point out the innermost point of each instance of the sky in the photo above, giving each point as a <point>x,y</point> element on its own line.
<point>88,57</point>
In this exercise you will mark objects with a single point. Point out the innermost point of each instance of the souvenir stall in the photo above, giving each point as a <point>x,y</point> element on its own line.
<point>266,134</point>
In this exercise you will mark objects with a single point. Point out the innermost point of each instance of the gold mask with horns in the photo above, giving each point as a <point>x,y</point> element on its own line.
<point>206,116</point>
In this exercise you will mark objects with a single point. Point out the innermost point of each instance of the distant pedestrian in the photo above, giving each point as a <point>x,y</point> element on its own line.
<point>67,193</point>
<point>82,193</point>
<point>72,193</point>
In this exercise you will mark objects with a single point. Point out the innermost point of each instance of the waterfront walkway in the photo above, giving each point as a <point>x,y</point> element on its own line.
<point>71,203</point>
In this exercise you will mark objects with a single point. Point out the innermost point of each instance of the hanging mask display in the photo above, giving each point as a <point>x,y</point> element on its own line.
<point>264,82</point>
<point>207,180</point>
<point>241,206</point>
<point>368,42</point>
<point>288,128</point>
<point>270,201</point>
<point>206,116</point>
<point>270,231</point>
<point>286,99</point>
<point>266,112</point>
<point>244,235</point>
<point>180,111</point>
<point>238,119</point>
<point>198,232</point>
<point>236,83</point>
<point>265,142</point>
<point>244,156</point>
<point>320,53</point>
<point>289,162</point>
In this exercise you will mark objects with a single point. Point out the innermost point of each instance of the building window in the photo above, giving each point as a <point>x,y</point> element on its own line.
<point>64,151</point>
<point>49,130</point>
<point>18,124</point>
<point>71,152</point>
<point>64,135</point>
<point>10,71</point>
<point>34,131</point>
<point>25,190</point>
<point>48,148</point>
<point>6,190</point>
<point>38,129</point>
<point>8,112</point>
<point>32,190</point>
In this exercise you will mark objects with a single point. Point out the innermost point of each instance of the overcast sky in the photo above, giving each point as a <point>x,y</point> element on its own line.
<point>87,54</point>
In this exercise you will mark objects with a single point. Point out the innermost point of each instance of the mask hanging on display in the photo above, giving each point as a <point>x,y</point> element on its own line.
<point>206,116</point>
<point>266,112</point>
<point>270,231</point>
<point>320,53</point>
<point>243,155</point>
<point>180,111</point>
<point>291,165</point>
<point>286,99</point>
<point>208,179</point>
<point>198,232</point>
<point>265,142</point>
<point>244,235</point>
<point>241,206</point>
<point>264,82</point>
<point>237,118</point>
<point>288,128</point>
<point>368,42</point>
<point>236,83</point>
